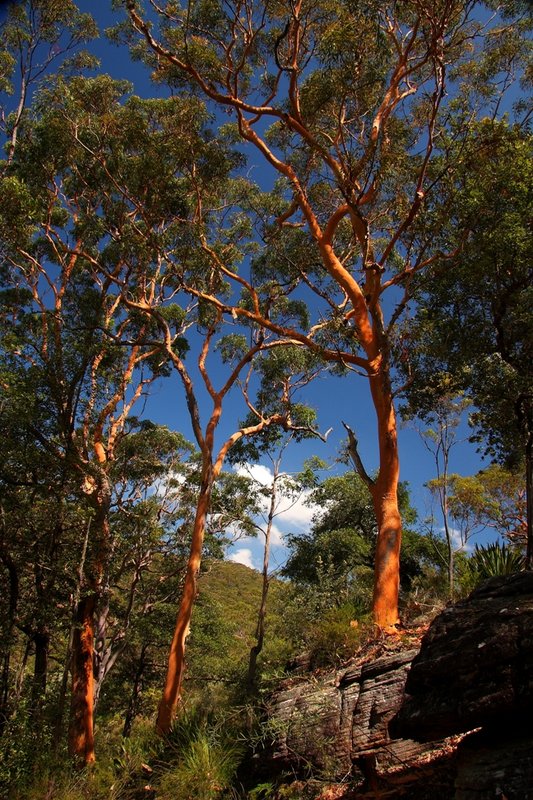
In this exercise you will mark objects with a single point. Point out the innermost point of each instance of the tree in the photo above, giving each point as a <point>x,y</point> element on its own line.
<point>340,545</point>
<point>274,370</point>
<point>41,517</point>
<point>440,438</point>
<point>472,328</point>
<point>63,327</point>
<point>37,37</point>
<point>493,498</point>
<point>212,460</point>
<point>349,107</point>
<point>136,239</point>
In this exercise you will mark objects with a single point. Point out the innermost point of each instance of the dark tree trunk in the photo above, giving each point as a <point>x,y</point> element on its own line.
<point>81,734</point>
<point>7,642</point>
<point>62,699</point>
<point>136,691</point>
<point>529,501</point>
<point>41,640</point>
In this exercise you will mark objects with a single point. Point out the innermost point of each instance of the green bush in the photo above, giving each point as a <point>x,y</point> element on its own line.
<point>336,637</point>
<point>200,759</point>
<point>494,559</point>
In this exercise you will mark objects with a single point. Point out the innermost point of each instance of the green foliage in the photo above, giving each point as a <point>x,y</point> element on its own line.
<point>342,538</point>
<point>471,329</point>
<point>337,635</point>
<point>223,628</point>
<point>494,559</point>
<point>199,760</point>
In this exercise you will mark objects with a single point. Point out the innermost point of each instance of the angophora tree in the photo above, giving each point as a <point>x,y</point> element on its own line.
<point>348,105</point>
<point>65,232</point>
<point>148,182</point>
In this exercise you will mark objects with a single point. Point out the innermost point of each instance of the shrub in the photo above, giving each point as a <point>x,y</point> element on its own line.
<point>494,559</point>
<point>203,760</point>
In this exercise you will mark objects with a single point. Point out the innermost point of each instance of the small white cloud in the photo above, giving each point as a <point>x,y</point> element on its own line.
<point>291,513</point>
<point>258,472</point>
<point>457,541</point>
<point>276,537</point>
<point>242,556</point>
<point>296,513</point>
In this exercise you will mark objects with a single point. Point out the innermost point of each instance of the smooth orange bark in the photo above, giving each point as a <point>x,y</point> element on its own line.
<point>81,734</point>
<point>176,660</point>
<point>385,499</point>
<point>81,724</point>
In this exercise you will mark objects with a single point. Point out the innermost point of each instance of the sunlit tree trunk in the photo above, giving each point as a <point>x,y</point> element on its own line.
<point>384,492</point>
<point>81,733</point>
<point>81,725</point>
<point>176,660</point>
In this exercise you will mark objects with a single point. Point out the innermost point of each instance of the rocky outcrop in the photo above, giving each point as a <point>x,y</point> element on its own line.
<point>475,666</point>
<point>399,722</point>
<point>337,723</point>
<point>491,765</point>
<point>475,671</point>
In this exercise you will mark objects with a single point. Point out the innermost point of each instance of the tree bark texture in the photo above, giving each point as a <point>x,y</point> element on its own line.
<point>176,660</point>
<point>81,726</point>
<point>81,732</point>
<point>385,499</point>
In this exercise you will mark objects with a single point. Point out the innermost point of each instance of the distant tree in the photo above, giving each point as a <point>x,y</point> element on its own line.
<point>471,330</point>
<point>274,371</point>
<point>340,546</point>
<point>439,434</point>
<point>493,498</point>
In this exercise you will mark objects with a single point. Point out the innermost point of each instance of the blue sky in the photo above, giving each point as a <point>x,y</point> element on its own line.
<point>333,398</point>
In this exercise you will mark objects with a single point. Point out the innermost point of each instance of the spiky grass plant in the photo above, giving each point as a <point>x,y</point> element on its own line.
<point>495,559</point>
<point>201,760</point>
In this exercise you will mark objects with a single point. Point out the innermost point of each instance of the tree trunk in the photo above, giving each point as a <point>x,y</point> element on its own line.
<point>81,725</point>
<point>448,533</point>
<point>8,639</point>
<point>176,660</point>
<point>260,629</point>
<point>81,733</point>
<point>529,500</point>
<point>41,639</point>
<point>133,706</point>
<point>385,499</point>
<point>61,702</point>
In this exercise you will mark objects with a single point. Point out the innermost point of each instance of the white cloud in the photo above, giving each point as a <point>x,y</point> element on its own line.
<point>276,537</point>
<point>296,513</point>
<point>457,541</point>
<point>291,514</point>
<point>242,556</point>
<point>258,472</point>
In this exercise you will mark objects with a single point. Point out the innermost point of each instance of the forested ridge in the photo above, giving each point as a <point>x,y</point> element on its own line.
<point>307,196</point>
